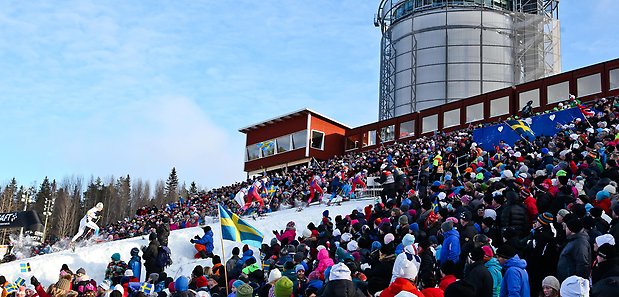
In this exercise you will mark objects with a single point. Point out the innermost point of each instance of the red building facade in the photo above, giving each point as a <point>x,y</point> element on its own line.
<point>588,83</point>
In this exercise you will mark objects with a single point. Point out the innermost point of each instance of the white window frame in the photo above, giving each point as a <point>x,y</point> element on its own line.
<point>311,138</point>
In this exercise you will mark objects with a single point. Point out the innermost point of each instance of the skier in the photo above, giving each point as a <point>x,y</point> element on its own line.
<point>316,186</point>
<point>337,183</point>
<point>359,179</point>
<point>89,221</point>
<point>253,194</point>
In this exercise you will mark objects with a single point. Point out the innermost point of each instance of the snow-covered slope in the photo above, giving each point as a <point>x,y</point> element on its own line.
<point>94,259</point>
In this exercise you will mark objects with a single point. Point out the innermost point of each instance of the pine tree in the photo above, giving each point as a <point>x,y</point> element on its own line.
<point>45,193</point>
<point>171,186</point>
<point>193,189</point>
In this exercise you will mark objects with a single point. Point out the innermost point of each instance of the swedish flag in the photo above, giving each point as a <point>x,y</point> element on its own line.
<point>522,128</point>
<point>147,288</point>
<point>10,288</point>
<point>25,267</point>
<point>235,229</point>
<point>20,282</point>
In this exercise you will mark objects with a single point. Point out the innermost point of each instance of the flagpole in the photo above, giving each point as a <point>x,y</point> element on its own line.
<point>223,250</point>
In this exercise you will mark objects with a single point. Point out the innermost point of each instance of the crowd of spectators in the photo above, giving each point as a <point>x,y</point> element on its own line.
<point>536,218</point>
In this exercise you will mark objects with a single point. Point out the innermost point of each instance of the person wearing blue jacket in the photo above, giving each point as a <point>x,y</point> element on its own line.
<point>516,279</point>
<point>450,249</point>
<point>135,264</point>
<point>204,245</point>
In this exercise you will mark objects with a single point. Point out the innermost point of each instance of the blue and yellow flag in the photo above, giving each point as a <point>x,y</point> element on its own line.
<point>522,128</point>
<point>147,288</point>
<point>10,288</point>
<point>235,229</point>
<point>25,267</point>
<point>20,282</point>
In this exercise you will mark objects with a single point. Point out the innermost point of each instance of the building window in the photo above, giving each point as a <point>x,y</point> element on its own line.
<point>369,138</point>
<point>589,85</point>
<point>318,140</point>
<point>299,139</point>
<point>352,142</point>
<point>387,133</point>
<point>429,124</point>
<point>253,152</point>
<point>614,79</point>
<point>283,144</point>
<point>267,148</point>
<point>558,92</point>
<point>407,129</point>
<point>474,112</point>
<point>525,97</point>
<point>451,118</point>
<point>499,106</point>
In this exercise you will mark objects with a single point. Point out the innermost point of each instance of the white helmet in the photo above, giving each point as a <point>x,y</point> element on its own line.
<point>99,206</point>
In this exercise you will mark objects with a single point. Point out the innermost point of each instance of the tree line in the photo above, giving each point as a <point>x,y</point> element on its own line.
<point>64,202</point>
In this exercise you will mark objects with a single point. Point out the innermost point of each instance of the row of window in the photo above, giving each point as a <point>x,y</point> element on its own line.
<point>282,144</point>
<point>413,5</point>
<point>587,85</point>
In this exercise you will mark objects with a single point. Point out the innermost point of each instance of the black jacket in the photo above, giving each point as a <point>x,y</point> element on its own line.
<point>341,288</point>
<point>575,258</point>
<point>478,275</point>
<point>605,269</point>
<point>150,254</point>
<point>515,216</point>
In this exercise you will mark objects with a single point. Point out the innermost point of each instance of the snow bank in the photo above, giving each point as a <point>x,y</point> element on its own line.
<point>94,259</point>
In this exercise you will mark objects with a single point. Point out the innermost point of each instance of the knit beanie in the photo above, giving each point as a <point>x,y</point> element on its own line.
<point>389,238</point>
<point>607,251</point>
<point>283,287</point>
<point>403,220</point>
<point>181,284</point>
<point>244,290</point>
<point>605,238</point>
<point>575,225</point>
<point>116,257</point>
<point>545,218</point>
<point>447,226</point>
<point>376,245</point>
<point>575,286</point>
<point>340,271</point>
<point>601,195</point>
<point>408,240</point>
<point>63,284</point>
<point>551,282</point>
<point>506,251</point>
<point>563,212</point>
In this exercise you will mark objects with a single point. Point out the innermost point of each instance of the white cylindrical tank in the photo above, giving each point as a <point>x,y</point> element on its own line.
<point>435,52</point>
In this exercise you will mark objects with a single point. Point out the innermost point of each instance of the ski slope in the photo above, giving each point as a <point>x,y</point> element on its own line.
<point>94,259</point>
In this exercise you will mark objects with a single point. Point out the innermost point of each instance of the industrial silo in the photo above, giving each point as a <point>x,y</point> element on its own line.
<point>437,51</point>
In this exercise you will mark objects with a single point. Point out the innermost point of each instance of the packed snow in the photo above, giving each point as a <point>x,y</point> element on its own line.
<point>94,259</point>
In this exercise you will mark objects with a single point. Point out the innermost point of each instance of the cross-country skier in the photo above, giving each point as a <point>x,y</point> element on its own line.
<point>89,221</point>
<point>253,194</point>
<point>359,179</point>
<point>337,183</point>
<point>316,186</point>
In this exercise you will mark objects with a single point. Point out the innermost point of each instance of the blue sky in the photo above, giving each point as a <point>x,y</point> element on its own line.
<point>136,87</point>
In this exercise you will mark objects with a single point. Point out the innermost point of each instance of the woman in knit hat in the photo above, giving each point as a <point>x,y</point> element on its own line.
<point>550,286</point>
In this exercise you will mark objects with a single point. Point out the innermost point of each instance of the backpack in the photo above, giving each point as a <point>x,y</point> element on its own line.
<point>164,257</point>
